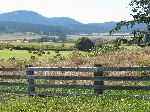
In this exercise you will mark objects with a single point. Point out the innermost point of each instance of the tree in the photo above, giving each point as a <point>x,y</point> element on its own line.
<point>62,38</point>
<point>84,44</point>
<point>140,13</point>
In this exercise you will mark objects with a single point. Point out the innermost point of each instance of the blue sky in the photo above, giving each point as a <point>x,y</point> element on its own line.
<point>86,11</point>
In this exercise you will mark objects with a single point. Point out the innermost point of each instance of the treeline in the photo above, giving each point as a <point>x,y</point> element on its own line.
<point>13,27</point>
<point>34,47</point>
<point>60,38</point>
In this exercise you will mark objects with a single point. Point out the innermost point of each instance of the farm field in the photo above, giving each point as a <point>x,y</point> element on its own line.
<point>37,46</point>
<point>131,56</point>
<point>24,103</point>
<point>23,54</point>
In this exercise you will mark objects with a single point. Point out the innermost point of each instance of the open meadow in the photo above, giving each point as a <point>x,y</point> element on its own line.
<point>130,56</point>
<point>25,55</point>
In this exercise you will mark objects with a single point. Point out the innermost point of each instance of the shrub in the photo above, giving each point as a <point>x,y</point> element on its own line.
<point>48,52</point>
<point>84,44</point>
<point>76,58</point>
<point>29,51</point>
<point>103,49</point>
<point>33,57</point>
<point>39,53</point>
<point>99,44</point>
<point>10,49</point>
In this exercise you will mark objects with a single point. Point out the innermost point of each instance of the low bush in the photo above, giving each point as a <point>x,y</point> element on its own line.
<point>84,44</point>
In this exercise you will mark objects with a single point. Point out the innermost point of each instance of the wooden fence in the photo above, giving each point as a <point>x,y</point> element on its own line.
<point>98,86</point>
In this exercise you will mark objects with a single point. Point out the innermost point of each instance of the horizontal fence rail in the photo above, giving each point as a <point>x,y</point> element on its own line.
<point>104,87</point>
<point>98,79</point>
<point>92,78</point>
<point>78,69</point>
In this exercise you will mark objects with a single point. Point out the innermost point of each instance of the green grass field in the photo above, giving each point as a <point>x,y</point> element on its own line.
<point>23,54</point>
<point>23,103</point>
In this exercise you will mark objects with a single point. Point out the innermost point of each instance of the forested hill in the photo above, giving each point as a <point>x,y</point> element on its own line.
<point>29,21</point>
<point>13,27</point>
<point>35,18</point>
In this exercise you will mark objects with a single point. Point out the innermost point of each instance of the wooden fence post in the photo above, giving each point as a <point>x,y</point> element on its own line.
<point>31,84</point>
<point>100,83</point>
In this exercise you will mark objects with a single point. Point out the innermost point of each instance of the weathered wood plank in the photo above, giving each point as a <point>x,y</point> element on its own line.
<point>13,91</point>
<point>101,83</point>
<point>63,77</point>
<point>124,78</point>
<point>13,84</point>
<point>13,76</point>
<point>67,86</point>
<point>105,87</point>
<point>119,87</point>
<point>123,69</point>
<point>78,69</point>
<point>65,69</point>
<point>13,69</point>
<point>31,83</point>
<point>92,78</point>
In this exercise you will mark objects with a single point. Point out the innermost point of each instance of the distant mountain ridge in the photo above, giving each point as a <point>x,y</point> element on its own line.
<point>35,18</point>
<point>69,24</point>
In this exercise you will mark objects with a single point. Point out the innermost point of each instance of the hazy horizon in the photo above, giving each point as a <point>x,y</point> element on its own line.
<point>85,11</point>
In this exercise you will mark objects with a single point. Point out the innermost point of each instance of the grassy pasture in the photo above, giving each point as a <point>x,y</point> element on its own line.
<point>23,54</point>
<point>24,103</point>
<point>37,46</point>
<point>128,57</point>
